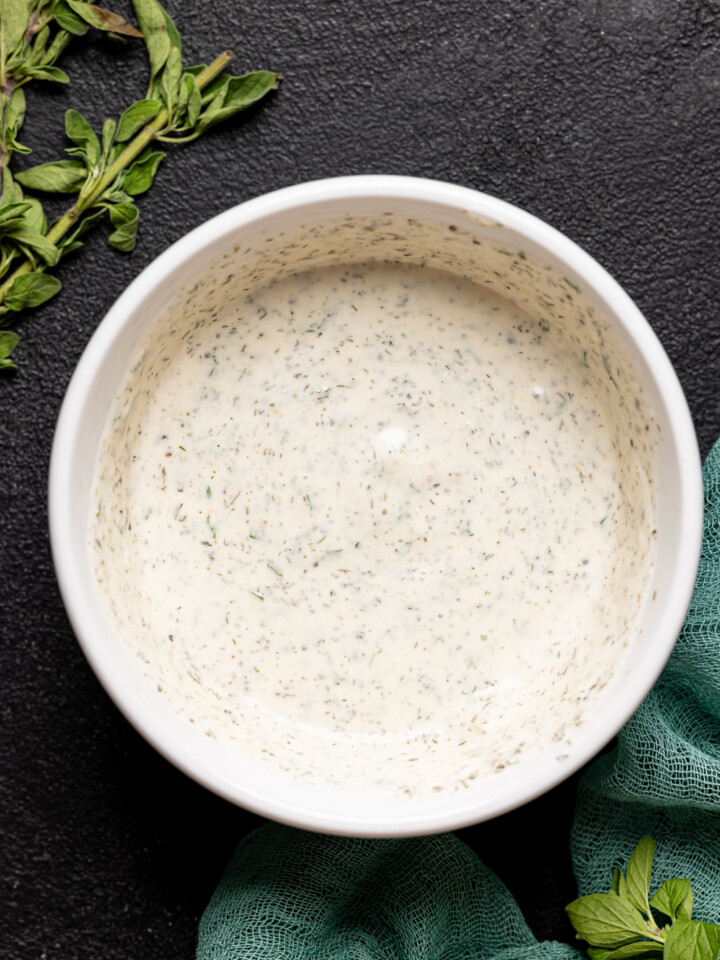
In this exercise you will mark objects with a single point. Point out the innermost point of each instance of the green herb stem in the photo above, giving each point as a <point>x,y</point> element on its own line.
<point>657,937</point>
<point>106,180</point>
<point>132,151</point>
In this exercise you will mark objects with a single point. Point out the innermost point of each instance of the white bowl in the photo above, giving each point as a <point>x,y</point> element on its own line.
<point>98,379</point>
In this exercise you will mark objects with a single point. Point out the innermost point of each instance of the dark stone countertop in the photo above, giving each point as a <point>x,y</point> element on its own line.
<point>599,116</point>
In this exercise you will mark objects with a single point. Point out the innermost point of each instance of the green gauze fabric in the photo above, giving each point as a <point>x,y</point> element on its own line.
<point>663,779</point>
<point>291,895</point>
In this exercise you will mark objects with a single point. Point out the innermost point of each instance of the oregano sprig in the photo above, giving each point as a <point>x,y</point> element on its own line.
<point>108,169</point>
<point>627,923</point>
<point>33,35</point>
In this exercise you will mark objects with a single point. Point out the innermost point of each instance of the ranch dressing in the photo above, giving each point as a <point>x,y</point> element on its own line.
<point>374,506</point>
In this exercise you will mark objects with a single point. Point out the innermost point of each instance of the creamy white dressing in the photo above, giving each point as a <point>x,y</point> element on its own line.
<point>381,514</point>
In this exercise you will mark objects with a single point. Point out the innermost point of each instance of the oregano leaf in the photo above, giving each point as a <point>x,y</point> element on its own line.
<point>81,133</point>
<point>39,45</point>
<point>674,899</point>
<point>8,342</point>
<point>53,74</point>
<point>13,121</point>
<point>685,907</point>
<point>239,94</point>
<point>87,222</point>
<point>30,290</point>
<point>108,136</point>
<point>18,147</point>
<point>139,177</point>
<point>69,20</point>
<point>103,19</point>
<point>151,18</point>
<point>69,246</point>
<point>692,940</point>
<point>194,99</point>
<point>12,212</point>
<point>172,30</point>
<point>643,948</point>
<point>63,176</point>
<point>13,23</point>
<point>124,217</point>
<point>7,193</point>
<point>619,886</point>
<point>32,240</point>
<point>116,194</point>
<point>122,213</point>
<point>170,79</point>
<point>183,93</point>
<point>34,216</point>
<point>639,870</point>
<point>605,920</point>
<point>17,102</point>
<point>214,95</point>
<point>135,118</point>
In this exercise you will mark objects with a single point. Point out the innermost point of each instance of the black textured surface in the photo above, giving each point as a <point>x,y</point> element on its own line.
<point>600,116</point>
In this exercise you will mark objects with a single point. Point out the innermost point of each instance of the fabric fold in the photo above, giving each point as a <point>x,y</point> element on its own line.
<point>292,895</point>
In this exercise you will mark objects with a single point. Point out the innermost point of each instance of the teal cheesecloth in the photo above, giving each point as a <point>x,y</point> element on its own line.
<point>292,895</point>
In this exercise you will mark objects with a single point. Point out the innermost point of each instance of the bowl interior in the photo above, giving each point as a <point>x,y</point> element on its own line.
<point>502,250</point>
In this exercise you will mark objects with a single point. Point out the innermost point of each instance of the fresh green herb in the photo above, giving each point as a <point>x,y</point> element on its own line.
<point>8,342</point>
<point>626,922</point>
<point>106,171</point>
<point>274,569</point>
<point>674,899</point>
<point>256,594</point>
<point>575,287</point>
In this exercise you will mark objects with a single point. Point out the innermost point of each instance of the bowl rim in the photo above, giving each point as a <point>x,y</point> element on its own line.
<point>351,188</point>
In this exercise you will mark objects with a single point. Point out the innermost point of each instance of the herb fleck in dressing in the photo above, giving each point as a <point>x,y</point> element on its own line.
<point>376,508</point>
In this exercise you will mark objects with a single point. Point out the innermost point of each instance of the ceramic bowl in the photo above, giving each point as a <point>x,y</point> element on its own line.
<point>352,219</point>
